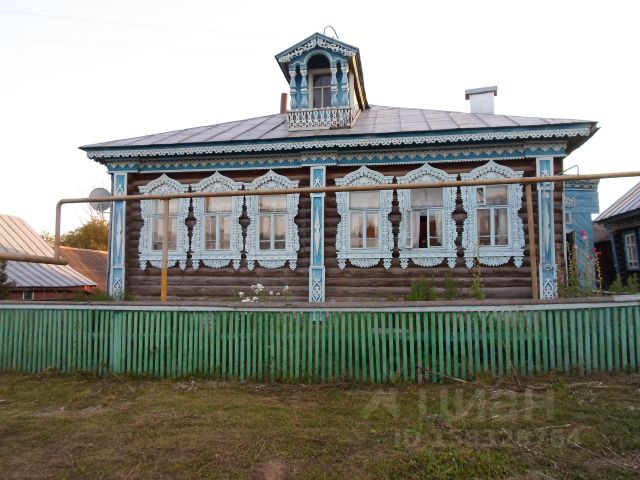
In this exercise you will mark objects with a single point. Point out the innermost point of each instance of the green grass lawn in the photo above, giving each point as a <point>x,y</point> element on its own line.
<point>551,427</point>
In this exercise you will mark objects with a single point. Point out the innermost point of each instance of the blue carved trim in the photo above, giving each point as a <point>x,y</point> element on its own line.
<point>431,155</point>
<point>351,141</point>
<point>117,238</point>
<point>546,231</point>
<point>316,270</point>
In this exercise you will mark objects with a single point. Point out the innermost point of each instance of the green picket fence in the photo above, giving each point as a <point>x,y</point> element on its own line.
<point>321,346</point>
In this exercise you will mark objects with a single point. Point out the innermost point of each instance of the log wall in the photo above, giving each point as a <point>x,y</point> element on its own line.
<point>350,284</point>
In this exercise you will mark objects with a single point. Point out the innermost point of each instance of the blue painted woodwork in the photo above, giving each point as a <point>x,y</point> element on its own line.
<point>316,269</point>
<point>117,237</point>
<point>546,231</point>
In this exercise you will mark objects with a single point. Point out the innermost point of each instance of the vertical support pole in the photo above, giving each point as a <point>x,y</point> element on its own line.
<point>316,267</point>
<point>546,231</point>
<point>532,244</point>
<point>345,84</point>
<point>165,250</point>
<point>304,91</point>
<point>334,85</point>
<point>292,87</point>
<point>117,237</point>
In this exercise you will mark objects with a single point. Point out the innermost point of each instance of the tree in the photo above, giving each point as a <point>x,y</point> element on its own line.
<point>5,285</point>
<point>92,235</point>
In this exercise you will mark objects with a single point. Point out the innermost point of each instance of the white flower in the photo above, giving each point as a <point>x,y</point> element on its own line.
<point>245,300</point>
<point>286,288</point>
<point>254,299</point>
<point>270,292</point>
<point>241,293</point>
<point>277,293</point>
<point>259,287</point>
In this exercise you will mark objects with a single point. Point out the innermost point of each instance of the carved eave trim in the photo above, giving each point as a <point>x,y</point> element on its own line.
<point>217,258</point>
<point>350,142</point>
<point>316,40</point>
<point>432,256</point>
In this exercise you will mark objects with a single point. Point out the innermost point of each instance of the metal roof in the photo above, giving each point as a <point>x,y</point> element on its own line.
<point>372,121</point>
<point>627,203</point>
<point>16,236</point>
<point>90,263</point>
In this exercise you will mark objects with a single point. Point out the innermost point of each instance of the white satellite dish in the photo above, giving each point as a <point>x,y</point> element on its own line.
<point>100,206</point>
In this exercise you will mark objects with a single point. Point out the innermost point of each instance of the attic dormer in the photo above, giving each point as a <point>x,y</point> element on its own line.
<point>325,82</point>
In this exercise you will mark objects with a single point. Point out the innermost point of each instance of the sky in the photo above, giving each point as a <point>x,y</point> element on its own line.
<point>76,72</point>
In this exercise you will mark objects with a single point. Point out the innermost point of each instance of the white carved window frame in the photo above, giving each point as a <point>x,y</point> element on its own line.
<point>272,258</point>
<point>216,258</point>
<point>159,186</point>
<point>498,254</point>
<point>431,256</point>
<point>364,257</point>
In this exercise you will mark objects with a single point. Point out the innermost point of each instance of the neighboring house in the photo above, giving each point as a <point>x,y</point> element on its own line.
<point>580,203</point>
<point>622,220</point>
<point>37,281</point>
<point>90,263</point>
<point>345,246</point>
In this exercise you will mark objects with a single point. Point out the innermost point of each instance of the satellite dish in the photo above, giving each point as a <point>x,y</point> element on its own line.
<point>100,206</point>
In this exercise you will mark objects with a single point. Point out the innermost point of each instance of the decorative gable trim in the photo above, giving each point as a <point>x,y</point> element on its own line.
<point>216,258</point>
<point>159,186</point>
<point>316,41</point>
<point>359,257</point>
<point>492,255</point>
<point>432,256</point>
<point>272,258</point>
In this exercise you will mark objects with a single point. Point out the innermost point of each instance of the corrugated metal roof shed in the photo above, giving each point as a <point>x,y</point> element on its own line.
<point>374,120</point>
<point>16,236</point>
<point>90,263</point>
<point>625,204</point>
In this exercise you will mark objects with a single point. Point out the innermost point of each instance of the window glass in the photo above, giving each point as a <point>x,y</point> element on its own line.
<point>210,232</point>
<point>356,230</point>
<point>280,229</point>
<point>321,91</point>
<point>157,227</point>
<point>480,195</point>
<point>265,232</point>
<point>158,207</point>
<point>364,200</point>
<point>372,229</point>
<point>496,194</point>
<point>426,197</point>
<point>272,203</point>
<point>225,232</point>
<point>435,228</point>
<point>484,226</point>
<point>219,204</point>
<point>631,250</point>
<point>500,226</point>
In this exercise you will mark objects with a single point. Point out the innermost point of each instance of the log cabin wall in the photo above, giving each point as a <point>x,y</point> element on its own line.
<point>352,283</point>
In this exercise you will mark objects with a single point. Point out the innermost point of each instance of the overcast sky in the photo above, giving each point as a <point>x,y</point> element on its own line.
<point>83,71</point>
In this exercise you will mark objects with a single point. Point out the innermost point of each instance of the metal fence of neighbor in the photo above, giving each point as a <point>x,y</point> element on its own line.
<point>305,345</point>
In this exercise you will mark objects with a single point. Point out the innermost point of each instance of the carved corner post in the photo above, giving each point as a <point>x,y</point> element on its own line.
<point>546,231</point>
<point>292,86</point>
<point>117,237</point>
<point>316,267</point>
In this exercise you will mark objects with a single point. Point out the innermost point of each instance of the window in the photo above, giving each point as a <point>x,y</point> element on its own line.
<point>151,233</point>
<point>492,215</point>
<point>321,90</point>
<point>272,235</point>
<point>157,223</point>
<point>27,295</point>
<point>493,231</point>
<point>272,223</point>
<point>427,233</point>
<point>217,234</point>
<point>364,217</point>
<point>631,251</point>
<point>364,235</point>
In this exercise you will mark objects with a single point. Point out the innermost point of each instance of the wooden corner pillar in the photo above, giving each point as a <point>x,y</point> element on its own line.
<point>117,237</point>
<point>316,266</point>
<point>547,269</point>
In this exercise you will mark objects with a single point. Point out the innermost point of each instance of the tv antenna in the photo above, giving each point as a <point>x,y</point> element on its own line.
<point>335,34</point>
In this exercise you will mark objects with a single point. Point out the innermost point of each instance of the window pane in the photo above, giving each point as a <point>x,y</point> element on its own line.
<point>272,203</point>
<point>280,226</point>
<point>158,207</point>
<point>435,228</point>
<point>356,230</point>
<point>221,204</point>
<point>368,200</point>
<point>423,230</point>
<point>317,98</point>
<point>173,233</point>
<point>210,233</point>
<point>484,226</point>
<point>500,226</point>
<point>321,80</point>
<point>372,230</point>
<point>326,97</point>
<point>497,195</point>
<point>265,232</point>
<point>426,197</point>
<point>156,236</point>
<point>225,232</point>
<point>480,195</point>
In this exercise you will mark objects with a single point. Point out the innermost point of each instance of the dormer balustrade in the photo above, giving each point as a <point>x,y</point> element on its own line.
<point>321,118</point>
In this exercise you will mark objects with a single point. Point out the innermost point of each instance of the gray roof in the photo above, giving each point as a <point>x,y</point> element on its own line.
<point>627,203</point>
<point>16,236</point>
<point>372,121</point>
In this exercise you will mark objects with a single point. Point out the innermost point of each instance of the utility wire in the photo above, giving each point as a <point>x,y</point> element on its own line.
<point>129,24</point>
<point>96,44</point>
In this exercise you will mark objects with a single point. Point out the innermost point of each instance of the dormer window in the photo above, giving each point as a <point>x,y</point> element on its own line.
<point>321,90</point>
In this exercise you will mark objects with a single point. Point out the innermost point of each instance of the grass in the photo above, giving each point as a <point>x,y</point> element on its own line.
<point>82,427</point>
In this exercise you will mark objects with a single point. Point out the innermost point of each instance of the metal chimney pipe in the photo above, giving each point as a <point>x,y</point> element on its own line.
<point>481,99</point>
<point>284,100</point>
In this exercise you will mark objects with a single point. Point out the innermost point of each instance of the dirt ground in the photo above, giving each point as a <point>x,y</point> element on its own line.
<point>80,427</point>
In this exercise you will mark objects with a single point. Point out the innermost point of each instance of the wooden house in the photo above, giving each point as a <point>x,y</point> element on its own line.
<point>340,246</point>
